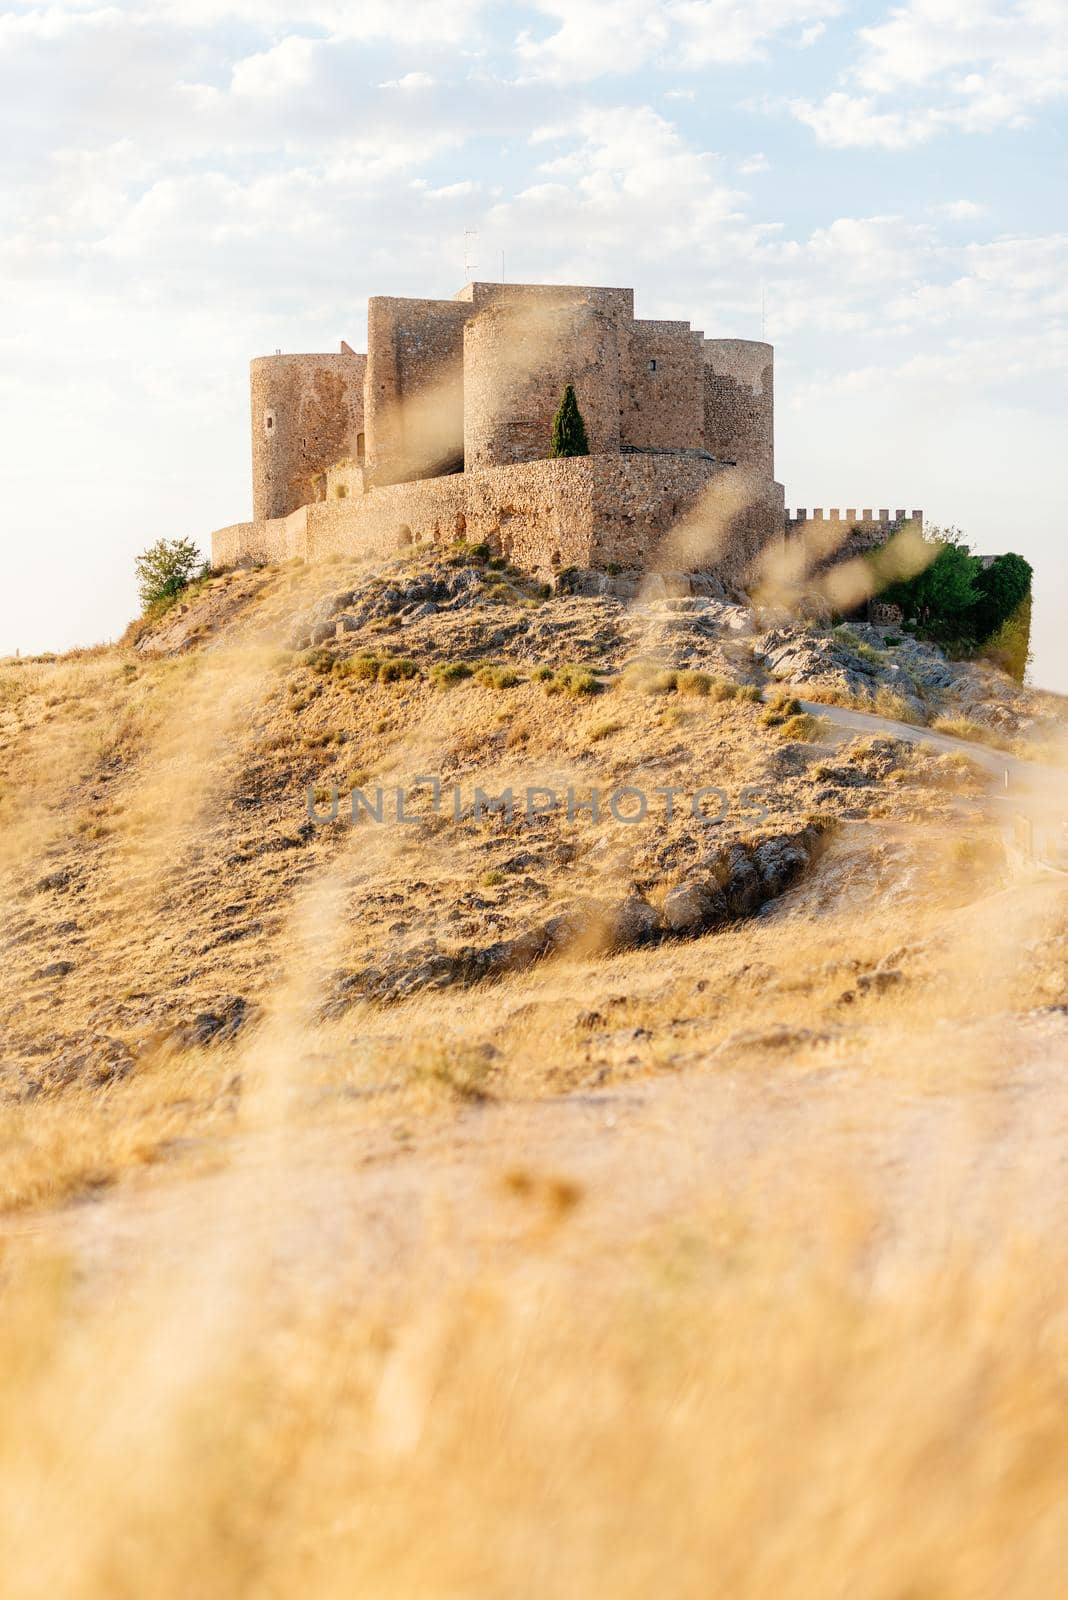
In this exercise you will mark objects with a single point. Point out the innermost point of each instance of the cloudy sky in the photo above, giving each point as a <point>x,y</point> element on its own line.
<point>188,183</point>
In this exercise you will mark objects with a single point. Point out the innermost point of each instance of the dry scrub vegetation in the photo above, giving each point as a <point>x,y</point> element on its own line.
<point>724,1264</point>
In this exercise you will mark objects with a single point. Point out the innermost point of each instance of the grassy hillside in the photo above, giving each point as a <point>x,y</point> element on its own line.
<point>555,1205</point>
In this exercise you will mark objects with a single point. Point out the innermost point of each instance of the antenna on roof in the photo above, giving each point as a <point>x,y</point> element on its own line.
<point>470,247</point>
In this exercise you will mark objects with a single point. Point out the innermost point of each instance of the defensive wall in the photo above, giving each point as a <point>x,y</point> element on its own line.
<point>837,535</point>
<point>629,511</point>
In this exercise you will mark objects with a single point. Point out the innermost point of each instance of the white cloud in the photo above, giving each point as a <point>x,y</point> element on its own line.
<point>594,38</point>
<point>410,80</point>
<point>757,162</point>
<point>939,65</point>
<point>409,22</point>
<point>842,120</point>
<point>452,191</point>
<point>960,210</point>
<point>287,66</point>
<point>626,188</point>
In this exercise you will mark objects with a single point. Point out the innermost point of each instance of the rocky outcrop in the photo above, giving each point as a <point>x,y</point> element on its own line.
<point>408,599</point>
<point>728,885</point>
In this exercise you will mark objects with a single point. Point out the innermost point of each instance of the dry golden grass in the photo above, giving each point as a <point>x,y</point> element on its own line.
<point>730,1267</point>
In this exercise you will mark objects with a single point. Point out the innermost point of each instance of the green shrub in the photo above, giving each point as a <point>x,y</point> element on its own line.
<point>692,682</point>
<point>462,554</point>
<point>802,727</point>
<point>364,668</point>
<point>604,730</point>
<point>574,681</point>
<point>780,709</point>
<point>320,660</point>
<point>397,670</point>
<point>1010,646</point>
<point>497,677</point>
<point>542,674</point>
<point>447,674</point>
<point>1003,587</point>
<point>165,569</point>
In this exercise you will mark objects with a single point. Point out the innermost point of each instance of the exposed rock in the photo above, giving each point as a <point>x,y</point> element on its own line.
<point>215,1027</point>
<point>779,1037</point>
<point>55,880</point>
<point>55,969</point>
<point>883,978</point>
<point>86,1060</point>
<point>736,882</point>
<point>634,921</point>
<point>693,908</point>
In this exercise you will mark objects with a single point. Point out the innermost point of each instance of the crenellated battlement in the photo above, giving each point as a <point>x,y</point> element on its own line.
<point>828,537</point>
<point>865,518</point>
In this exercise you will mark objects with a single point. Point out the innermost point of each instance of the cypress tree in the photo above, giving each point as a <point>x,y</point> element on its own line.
<point>569,430</point>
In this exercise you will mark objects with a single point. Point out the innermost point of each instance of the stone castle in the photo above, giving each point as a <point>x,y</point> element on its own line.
<point>441,432</point>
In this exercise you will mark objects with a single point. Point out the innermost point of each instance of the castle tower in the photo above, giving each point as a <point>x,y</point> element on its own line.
<point>518,358</point>
<point>740,403</point>
<point>307,414</point>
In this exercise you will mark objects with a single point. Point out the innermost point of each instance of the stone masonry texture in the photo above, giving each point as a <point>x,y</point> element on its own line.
<point>441,432</point>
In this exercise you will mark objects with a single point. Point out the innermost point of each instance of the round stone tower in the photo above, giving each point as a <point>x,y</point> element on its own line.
<point>307,414</point>
<point>740,403</point>
<point>518,359</point>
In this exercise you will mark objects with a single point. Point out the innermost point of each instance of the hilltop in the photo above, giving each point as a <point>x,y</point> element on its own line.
<point>159,845</point>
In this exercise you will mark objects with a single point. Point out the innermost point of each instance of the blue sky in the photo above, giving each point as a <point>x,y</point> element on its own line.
<point>188,183</point>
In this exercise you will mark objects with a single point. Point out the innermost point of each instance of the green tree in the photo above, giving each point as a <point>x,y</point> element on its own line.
<point>1010,647</point>
<point>165,569</point>
<point>945,592</point>
<point>569,430</point>
<point>1002,588</point>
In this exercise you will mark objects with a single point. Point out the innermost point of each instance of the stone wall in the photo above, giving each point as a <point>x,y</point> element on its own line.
<point>415,394</point>
<point>839,535</point>
<point>307,413</point>
<point>662,402</point>
<point>591,511</point>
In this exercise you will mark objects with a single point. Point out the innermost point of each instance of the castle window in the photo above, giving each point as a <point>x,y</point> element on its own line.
<point>360,446</point>
<point>652,365</point>
<point>268,421</point>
